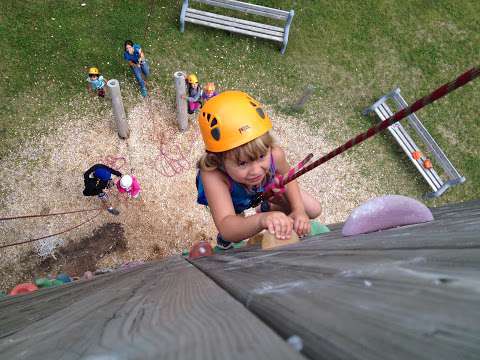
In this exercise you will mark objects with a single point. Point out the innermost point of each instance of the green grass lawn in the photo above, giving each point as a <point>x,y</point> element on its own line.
<point>350,52</point>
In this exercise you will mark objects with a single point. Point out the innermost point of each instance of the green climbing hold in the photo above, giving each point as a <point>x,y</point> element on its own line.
<point>46,283</point>
<point>2,294</point>
<point>317,228</point>
<point>185,253</point>
<point>239,244</point>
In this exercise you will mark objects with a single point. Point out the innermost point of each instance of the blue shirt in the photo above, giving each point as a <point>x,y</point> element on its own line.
<point>135,56</point>
<point>98,83</point>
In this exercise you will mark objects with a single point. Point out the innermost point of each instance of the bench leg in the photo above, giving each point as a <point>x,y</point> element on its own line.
<point>182,15</point>
<point>287,31</point>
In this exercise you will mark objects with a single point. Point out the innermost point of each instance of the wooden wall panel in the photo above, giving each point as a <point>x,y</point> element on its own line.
<point>164,310</point>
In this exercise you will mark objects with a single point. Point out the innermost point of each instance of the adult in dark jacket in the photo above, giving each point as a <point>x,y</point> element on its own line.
<point>97,179</point>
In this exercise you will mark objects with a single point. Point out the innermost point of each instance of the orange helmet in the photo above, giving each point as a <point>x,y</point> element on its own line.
<point>231,119</point>
<point>210,86</point>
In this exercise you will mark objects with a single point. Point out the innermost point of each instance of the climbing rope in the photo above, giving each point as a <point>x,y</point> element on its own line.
<point>417,105</point>
<point>45,215</point>
<point>171,160</point>
<point>51,235</point>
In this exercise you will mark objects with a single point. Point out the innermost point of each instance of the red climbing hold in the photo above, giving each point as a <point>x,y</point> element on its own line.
<point>23,289</point>
<point>200,249</point>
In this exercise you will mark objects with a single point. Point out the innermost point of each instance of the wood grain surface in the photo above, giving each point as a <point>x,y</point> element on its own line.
<point>163,310</point>
<point>407,293</point>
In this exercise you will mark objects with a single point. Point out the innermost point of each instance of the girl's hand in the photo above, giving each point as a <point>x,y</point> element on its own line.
<point>301,222</point>
<point>278,224</point>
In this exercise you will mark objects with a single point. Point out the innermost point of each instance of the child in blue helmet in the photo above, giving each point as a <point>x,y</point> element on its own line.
<point>97,179</point>
<point>138,64</point>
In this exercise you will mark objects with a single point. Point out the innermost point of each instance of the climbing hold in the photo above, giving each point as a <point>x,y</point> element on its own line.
<point>416,155</point>
<point>317,228</point>
<point>23,289</point>
<point>385,212</point>
<point>270,241</point>
<point>239,244</point>
<point>2,294</point>
<point>185,253</point>
<point>88,275</point>
<point>427,164</point>
<point>64,278</point>
<point>44,282</point>
<point>255,239</point>
<point>200,249</point>
<point>295,342</point>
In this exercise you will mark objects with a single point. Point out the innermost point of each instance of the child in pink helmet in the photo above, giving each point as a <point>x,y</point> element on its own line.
<point>130,185</point>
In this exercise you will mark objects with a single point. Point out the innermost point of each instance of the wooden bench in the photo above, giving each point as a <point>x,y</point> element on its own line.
<point>270,32</point>
<point>439,186</point>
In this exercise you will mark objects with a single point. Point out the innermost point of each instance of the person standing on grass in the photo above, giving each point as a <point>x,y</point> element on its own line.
<point>96,180</point>
<point>194,94</point>
<point>96,82</point>
<point>138,64</point>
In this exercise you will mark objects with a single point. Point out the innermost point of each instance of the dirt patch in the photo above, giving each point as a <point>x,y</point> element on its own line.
<point>79,256</point>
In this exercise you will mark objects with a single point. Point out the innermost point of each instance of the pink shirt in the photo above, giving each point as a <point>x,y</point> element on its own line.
<point>134,190</point>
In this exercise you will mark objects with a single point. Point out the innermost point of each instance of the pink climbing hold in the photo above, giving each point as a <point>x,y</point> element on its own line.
<point>88,275</point>
<point>385,212</point>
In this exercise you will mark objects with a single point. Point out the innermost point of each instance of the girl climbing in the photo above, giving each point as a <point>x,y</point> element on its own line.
<point>138,64</point>
<point>241,159</point>
<point>194,94</point>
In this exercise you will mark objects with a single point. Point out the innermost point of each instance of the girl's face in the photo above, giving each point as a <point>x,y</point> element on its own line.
<point>194,85</point>
<point>247,172</point>
<point>129,49</point>
<point>93,77</point>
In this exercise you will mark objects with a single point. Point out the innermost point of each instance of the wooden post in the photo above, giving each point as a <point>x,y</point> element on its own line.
<point>118,109</point>
<point>181,91</point>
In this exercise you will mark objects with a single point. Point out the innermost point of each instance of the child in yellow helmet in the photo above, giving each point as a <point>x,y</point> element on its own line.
<point>240,160</point>
<point>96,82</point>
<point>194,94</point>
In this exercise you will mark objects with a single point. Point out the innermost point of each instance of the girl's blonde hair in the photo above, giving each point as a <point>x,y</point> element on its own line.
<point>252,151</point>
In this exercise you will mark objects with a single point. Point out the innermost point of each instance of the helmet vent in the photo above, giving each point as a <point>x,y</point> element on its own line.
<point>260,112</point>
<point>253,104</point>
<point>215,133</point>
<point>213,123</point>
<point>208,117</point>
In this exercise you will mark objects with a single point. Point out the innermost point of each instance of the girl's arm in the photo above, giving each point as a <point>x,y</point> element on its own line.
<point>235,227</point>
<point>292,193</point>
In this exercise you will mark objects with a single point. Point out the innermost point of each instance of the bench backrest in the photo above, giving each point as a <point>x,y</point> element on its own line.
<point>247,8</point>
